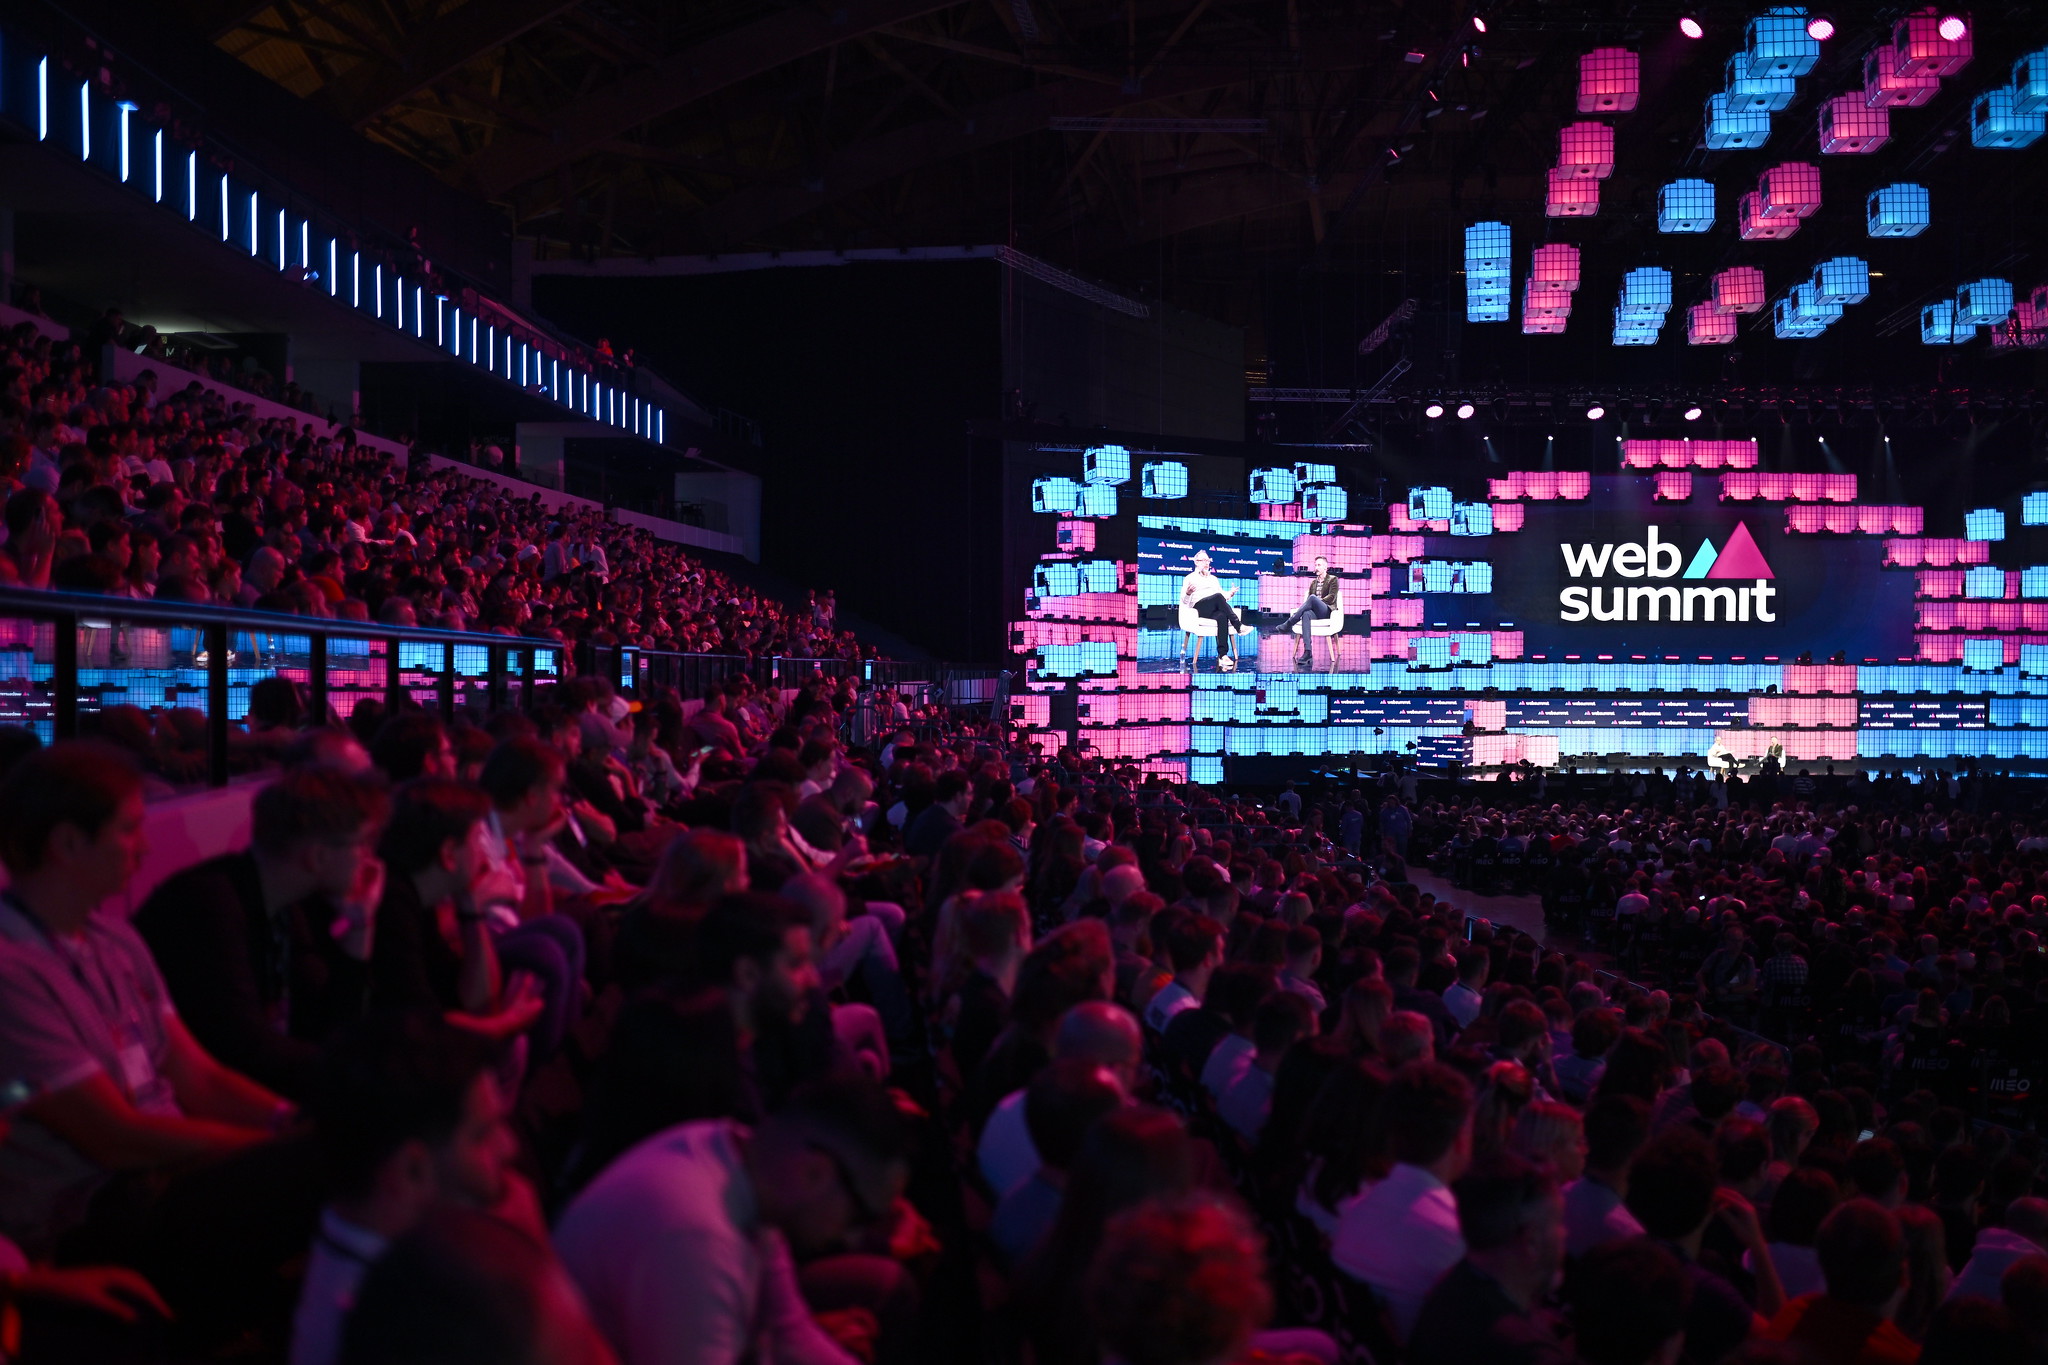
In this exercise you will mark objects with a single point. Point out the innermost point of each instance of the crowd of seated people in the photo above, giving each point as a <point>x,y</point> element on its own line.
<point>581,1033</point>
<point>119,489</point>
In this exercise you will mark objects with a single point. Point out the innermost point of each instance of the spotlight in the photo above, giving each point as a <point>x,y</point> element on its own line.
<point>1595,413</point>
<point>1465,411</point>
<point>1693,413</point>
<point>1433,410</point>
<point>1478,24</point>
<point>1953,27</point>
<point>1691,27</point>
<point>1820,28</point>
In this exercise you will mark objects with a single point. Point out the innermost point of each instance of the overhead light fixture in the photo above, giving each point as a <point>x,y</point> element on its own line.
<point>1433,410</point>
<point>1820,28</point>
<point>1953,27</point>
<point>1465,411</point>
<point>1478,24</point>
<point>1595,413</point>
<point>1691,27</point>
<point>1693,413</point>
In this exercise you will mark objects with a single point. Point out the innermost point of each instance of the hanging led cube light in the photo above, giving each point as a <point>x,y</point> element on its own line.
<point>1995,121</point>
<point>1791,190</point>
<point>1938,325</point>
<point>1932,42</point>
<point>1273,485</point>
<point>1106,464</point>
<point>1545,303</point>
<point>1706,325</point>
<point>1633,336</point>
<point>1739,289</point>
<point>1646,292</point>
<point>1097,500</point>
<point>1788,325</point>
<point>1842,279</point>
<point>1981,303</point>
<point>1536,324</point>
<point>1489,241</point>
<point>1306,474</point>
<point>1731,129</point>
<point>2030,83</point>
<point>1685,206</point>
<point>1164,479</point>
<point>1777,43</point>
<point>1751,223</point>
<point>1055,494</point>
<point>1430,504</point>
<point>1884,87</point>
<point>1609,81</point>
<point>1571,196</point>
<point>1586,148</point>
<point>1765,93</point>
<point>1808,306</point>
<point>1901,210</point>
<point>1324,502</point>
<point>1555,268</point>
<point>1848,126</point>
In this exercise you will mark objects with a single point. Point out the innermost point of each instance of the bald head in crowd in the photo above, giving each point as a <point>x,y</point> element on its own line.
<point>1103,1033</point>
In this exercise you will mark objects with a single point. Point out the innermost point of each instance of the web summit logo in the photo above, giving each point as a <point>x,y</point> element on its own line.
<point>1739,559</point>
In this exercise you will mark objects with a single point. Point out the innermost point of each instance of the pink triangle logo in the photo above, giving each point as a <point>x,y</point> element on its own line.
<point>1740,557</point>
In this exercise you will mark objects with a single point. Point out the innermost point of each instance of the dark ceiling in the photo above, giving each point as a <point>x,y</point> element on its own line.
<point>1297,166</point>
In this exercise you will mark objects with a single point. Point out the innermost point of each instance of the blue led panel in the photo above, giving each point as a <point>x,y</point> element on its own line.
<point>1983,303</point>
<point>1325,502</point>
<point>1995,121</point>
<point>1429,504</point>
<point>1058,579</point>
<point>1100,575</point>
<point>1985,523</point>
<point>1274,485</point>
<point>1686,206</point>
<point>2034,660</point>
<point>1939,325</point>
<point>1055,495</point>
<point>2034,510</point>
<point>1776,43</point>
<point>2034,581</point>
<point>1983,655</point>
<point>1901,210</point>
<point>1472,519</point>
<point>1734,129</point>
<point>1809,307</point>
<point>1090,659</point>
<point>1488,241</point>
<point>1097,500</point>
<point>1164,479</point>
<point>1315,473</point>
<point>1106,464</point>
<point>2030,83</point>
<point>1842,279</point>
<point>1646,292</point>
<point>1768,93</point>
<point>1984,582</point>
<point>1787,322</point>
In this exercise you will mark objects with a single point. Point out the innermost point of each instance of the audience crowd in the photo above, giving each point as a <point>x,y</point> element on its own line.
<point>121,490</point>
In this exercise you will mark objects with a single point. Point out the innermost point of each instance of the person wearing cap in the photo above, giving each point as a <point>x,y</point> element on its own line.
<point>1206,595</point>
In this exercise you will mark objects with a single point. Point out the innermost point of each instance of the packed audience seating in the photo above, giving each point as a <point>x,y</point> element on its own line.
<point>587,1033</point>
<point>122,490</point>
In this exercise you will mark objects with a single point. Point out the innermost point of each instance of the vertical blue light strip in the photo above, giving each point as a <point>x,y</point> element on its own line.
<point>472,341</point>
<point>305,245</point>
<point>43,100</point>
<point>419,302</point>
<point>85,120</point>
<point>333,267</point>
<point>255,231</point>
<point>397,297</point>
<point>159,140</point>
<point>355,279</point>
<point>284,254</point>
<point>226,227</point>
<point>377,284</point>
<point>126,108</point>
<point>191,187</point>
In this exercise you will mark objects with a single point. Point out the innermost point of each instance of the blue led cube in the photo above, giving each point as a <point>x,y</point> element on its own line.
<point>1939,325</point>
<point>1789,324</point>
<point>1056,494</point>
<point>1735,129</point>
<point>1488,242</point>
<point>1646,292</point>
<point>1768,93</point>
<point>1164,479</point>
<point>1273,485</point>
<point>1686,206</point>
<point>1433,651</point>
<point>1059,579</point>
<point>2034,509</point>
<point>1985,523</point>
<point>1097,500</point>
<point>1472,519</point>
<point>1429,504</point>
<point>1324,502</point>
<point>1995,121</point>
<point>1901,210</point>
<point>1314,473</point>
<point>1842,279</point>
<point>1633,338</point>
<point>1981,303</point>
<point>2034,660</point>
<point>1777,43</point>
<point>1100,575</point>
<point>1809,306</point>
<point>1985,582</point>
<point>2034,582</point>
<point>1473,647</point>
<point>1983,656</point>
<point>1479,577</point>
<point>1106,464</point>
<point>2030,84</point>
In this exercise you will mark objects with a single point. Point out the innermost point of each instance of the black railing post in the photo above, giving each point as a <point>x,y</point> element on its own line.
<point>394,685</point>
<point>445,689</point>
<point>316,677</point>
<point>64,676</point>
<point>494,674</point>
<point>217,703</point>
<point>532,675</point>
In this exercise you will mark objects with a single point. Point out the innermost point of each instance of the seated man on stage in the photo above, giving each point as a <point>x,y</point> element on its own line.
<point>1317,606</point>
<point>1205,593</point>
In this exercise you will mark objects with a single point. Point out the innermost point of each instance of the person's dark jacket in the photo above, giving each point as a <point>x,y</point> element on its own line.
<point>1469,1318</point>
<point>927,834</point>
<point>259,991</point>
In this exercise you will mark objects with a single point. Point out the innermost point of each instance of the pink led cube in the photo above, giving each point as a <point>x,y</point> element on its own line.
<point>1571,196</point>
<point>1919,49</point>
<point>1850,126</point>
<point>1509,516</point>
<point>1498,490</point>
<point>1706,325</point>
<point>1674,487</point>
<point>1754,227</point>
<point>1791,190</point>
<point>1609,81</point>
<point>1554,268</point>
<point>1574,485</point>
<point>1885,88</point>
<point>1740,290</point>
<point>1742,487</point>
<point>1586,149</point>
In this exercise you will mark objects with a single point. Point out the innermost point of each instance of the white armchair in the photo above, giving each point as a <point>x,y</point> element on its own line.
<point>1328,628</point>
<point>1202,628</point>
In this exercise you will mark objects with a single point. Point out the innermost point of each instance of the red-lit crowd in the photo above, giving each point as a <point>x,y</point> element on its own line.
<point>123,490</point>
